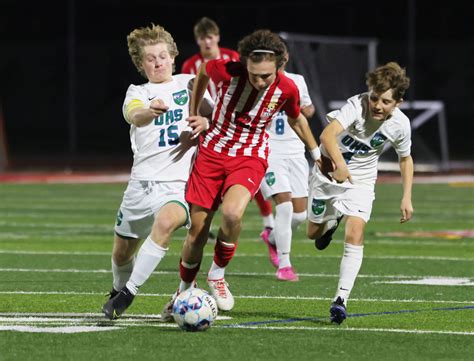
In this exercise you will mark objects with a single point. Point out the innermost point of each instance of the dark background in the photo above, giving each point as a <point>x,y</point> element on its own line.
<point>49,122</point>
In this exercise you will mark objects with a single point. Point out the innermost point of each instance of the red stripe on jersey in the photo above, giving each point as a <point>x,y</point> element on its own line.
<point>260,132</point>
<point>224,122</point>
<point>238,131</point>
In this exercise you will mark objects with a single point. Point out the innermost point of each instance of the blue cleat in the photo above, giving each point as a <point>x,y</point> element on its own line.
<point>338,311</point>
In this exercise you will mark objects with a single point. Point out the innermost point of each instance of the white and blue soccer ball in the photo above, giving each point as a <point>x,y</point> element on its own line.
<point>194,310</point>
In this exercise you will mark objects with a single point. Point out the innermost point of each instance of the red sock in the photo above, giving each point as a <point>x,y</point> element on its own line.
<point>188,274</point>
<point>223,252</point>
<point>264,206</point>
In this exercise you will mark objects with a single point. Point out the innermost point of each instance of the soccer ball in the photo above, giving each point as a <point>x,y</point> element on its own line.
<point>194,310</point>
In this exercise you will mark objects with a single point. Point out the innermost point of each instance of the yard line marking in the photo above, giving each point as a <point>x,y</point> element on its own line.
<point>343,329</point>
<point>92,317</point>
<point>67,329</point>
<point>241,274</point>
<point>314,255</point>
<point>304,298</point>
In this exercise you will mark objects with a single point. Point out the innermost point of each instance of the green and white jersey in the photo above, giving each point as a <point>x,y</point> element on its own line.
<point>163,149</point>
<point>283,141</point>
<point>363,139</point>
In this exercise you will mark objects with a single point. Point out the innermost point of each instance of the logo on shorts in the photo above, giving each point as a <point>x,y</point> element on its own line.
<point>270,178</point>
<point>181,97</point>
<point>119,217</point>
<point>377,140</point>
<point>318,206</point>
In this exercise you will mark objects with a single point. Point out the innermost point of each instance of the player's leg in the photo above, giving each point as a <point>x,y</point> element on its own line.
<point>170,217</point>
<point>322,216</point>
<point>233,206</point>
<point>191,254</point>
<point>266,211</point>
<point>123,260</point>
<point>350,266</point>
<point>283,236</point>
<point>133,224</point>
<point>357,206</point>
<point>243,176</point>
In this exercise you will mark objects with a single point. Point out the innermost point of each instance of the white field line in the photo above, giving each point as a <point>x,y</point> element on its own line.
<point>29,322</point>
<point>67,329</point>
<point>254,297</point>
<point>314,255</point>
<point>344,329</point>
<point>244,274</point>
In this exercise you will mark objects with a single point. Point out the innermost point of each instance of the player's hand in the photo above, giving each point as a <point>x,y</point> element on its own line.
<point>406,209</point>
<point>158,107</point>
<point>198,125</point>
<point>326,166</point>
<point>341,174</point>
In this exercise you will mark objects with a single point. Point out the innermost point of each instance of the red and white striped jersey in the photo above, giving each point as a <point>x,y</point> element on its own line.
<point>192,64</point>
<point>242,113</point>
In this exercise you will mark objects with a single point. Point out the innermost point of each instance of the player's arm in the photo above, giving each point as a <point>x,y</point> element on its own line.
<point>329,140</point>
<point>139,115</point>
<point>199,88</point>
<point>406,171</point>
<point>308,111</point>
<point>303,131</point>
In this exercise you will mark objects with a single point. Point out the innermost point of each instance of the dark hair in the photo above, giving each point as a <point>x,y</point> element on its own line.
<point>262,45</point>
<point>204,27</point>
<point>389,76</point>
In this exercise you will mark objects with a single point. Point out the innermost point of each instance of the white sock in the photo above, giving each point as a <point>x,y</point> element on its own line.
<point>121,274</point>
<point>216,272</point>
<point>297,219</point>
<point>148,258</point>
<point>268,221</point>
<point>283,232</point>
<point>350,266</point>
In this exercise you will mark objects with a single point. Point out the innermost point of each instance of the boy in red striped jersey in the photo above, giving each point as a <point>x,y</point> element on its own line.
<point>232,158</point>
<point>207,35</point>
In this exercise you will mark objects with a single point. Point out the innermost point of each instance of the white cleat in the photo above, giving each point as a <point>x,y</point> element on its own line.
<point>221,293</point>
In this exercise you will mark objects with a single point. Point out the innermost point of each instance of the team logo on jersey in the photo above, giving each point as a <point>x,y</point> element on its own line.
<point>318,206</point>
<point>377,140</point>
<point>269,110</point>
<point>270,178</point>
<point>119,217</point>
<point>181,97</point>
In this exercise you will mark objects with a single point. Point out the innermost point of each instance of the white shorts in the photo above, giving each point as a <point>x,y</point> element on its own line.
<point>329,201</point>
<point>286,175</point>
<point>141,201</point>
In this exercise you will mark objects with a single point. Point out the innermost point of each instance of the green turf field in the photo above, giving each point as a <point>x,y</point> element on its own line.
<point>413,300</point>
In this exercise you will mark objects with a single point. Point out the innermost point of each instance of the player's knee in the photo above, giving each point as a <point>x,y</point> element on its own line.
<point>231,216</point>
<point>165,225</point>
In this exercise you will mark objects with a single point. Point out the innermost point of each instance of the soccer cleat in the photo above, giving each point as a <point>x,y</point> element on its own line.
<point>338,311</point>
<point>272,251</point>
<point>221,293</point>
<point>287,274</point>
<point>167,312</point>
<point>118,304</point>
<point>112,293</point>
<point>323,241</point>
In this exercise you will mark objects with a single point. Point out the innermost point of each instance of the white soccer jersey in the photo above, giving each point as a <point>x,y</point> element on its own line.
<point>283,141</point>
<point>363,140</point>
<point>163,150</point>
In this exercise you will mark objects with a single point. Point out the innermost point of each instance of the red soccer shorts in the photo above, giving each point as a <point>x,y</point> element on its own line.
<point>213,174</point>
